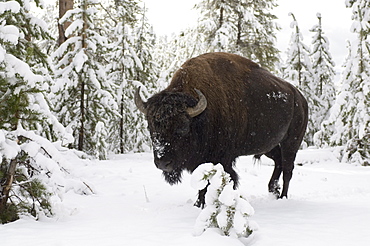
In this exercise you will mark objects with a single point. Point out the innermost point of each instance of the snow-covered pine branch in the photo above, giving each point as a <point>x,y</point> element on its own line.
<point>34,174</point>
<point>226,208</point>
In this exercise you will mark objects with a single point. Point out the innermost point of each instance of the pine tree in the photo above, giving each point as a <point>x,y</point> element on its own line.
<point>349,122</point>
<point>25,76</point>
<point>83,94</point>
<point>131,66</point>
<point>216,25</point>
<point>225,208</point>
<point>322,88</point>
<point>245,27</point>
<point>327,135</point>
<point>171,52</point>
<point>256,32</point>
<point>146,75</point>
<point>31,167</point>
<point>298,69</point>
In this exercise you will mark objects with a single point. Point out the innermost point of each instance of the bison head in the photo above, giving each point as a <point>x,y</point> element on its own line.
<point>171,122</point>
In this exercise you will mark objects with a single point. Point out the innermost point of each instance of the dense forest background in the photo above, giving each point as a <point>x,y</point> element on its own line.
<point>69,69</point>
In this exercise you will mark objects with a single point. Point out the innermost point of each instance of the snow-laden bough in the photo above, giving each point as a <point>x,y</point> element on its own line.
<point>225,208</point>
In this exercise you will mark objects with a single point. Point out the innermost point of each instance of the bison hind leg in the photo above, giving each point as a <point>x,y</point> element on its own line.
<point>273,186</point>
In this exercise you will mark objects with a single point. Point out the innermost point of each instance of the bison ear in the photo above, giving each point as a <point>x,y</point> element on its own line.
<point>200,107</point>
<point>140,104</point>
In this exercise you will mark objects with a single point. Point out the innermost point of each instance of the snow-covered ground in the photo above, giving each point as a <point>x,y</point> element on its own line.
<point>329,205</point>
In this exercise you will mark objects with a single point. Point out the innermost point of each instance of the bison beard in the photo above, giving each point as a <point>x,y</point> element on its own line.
<point>219,106</point>
<point>173,177</point>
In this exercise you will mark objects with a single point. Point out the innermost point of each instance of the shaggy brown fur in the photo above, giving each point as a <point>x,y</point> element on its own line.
<point>249,112</point>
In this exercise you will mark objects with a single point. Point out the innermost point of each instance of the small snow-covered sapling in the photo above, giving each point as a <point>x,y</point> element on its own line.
<point>225,208</point>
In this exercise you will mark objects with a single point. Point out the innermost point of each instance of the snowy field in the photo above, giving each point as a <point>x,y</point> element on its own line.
<point>329,205</point>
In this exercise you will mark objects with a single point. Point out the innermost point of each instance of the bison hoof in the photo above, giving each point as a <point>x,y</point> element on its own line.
<point>283,196</point>
<point>276,194</point>
<point>275,190</point>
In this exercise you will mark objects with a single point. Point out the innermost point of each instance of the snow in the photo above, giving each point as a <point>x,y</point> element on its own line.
<point>11,6</point>
<point>9,149</point>
<point>328,205</point>
<point>79,60</point>
<point>16,66</point>
<point>160,147</point>
<point>10,34</point>
<point>197,180</point>
<point>76,25</point>
<point>278,95</point>
<point>68,14</point>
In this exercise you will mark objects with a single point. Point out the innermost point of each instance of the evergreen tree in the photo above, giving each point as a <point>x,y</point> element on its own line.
<point>131,66</point>
<point>217,24</point>
<point>322,87</point>
<point>338,116</point>
<point>225,207</point>
<point>298,69</point>
<point>245,27</point>
<point>83,94</point>
<point>171,52</point>
<point>147,75</point>
<point>31,167</point>
<point>256,31</point>
<point>349,123</point>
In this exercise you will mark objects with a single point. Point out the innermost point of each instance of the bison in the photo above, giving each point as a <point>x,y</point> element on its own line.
<point>218,107</point>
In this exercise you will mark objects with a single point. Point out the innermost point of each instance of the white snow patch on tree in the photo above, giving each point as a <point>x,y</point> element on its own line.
<point>11,6</point>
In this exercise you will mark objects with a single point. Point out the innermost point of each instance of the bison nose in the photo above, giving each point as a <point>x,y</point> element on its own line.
<point>164,165</point>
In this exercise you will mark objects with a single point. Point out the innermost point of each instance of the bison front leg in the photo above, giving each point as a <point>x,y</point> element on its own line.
<point>201,201</point>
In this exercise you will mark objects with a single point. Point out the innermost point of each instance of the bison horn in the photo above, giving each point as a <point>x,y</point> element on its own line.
<point>140,104</point>
<point>200,107</point>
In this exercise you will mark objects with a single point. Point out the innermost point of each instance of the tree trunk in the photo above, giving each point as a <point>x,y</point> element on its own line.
<point>64,6</point>
<point>239,27</point>
<point>83,104</point>
<point>121,128</point>
<point>122,119</point>
<point>81,134</point>
<point>221,20</point>
<point>6,185</point>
